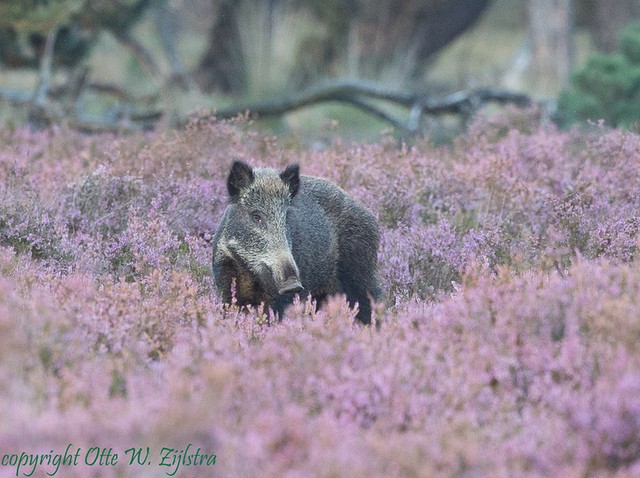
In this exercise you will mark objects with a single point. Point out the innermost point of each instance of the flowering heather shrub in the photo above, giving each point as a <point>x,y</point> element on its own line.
<point>508,339</point>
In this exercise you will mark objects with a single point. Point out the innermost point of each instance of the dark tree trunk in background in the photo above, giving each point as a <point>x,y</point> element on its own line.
<point>440,22</point>
<point>551,35</point>
<point>379,31</point>
<point>222,66</point>
<point>609,16</point>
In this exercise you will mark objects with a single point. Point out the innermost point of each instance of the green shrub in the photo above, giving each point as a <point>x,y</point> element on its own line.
<point>608,87</point>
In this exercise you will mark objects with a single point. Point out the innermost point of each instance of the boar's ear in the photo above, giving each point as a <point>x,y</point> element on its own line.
<point>240,177</point>
<point>291,177</point>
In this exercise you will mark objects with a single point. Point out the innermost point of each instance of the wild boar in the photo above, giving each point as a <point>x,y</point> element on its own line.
<point>284,234</point>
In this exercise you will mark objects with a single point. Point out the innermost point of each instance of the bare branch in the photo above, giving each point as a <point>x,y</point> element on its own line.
<point>16,98</point>
<point>339,90</point>
<point>141,54</point>
<point>366,96</point>
<point>357,93</point>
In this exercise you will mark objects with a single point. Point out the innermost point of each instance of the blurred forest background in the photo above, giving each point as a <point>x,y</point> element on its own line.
<point>134,64</point>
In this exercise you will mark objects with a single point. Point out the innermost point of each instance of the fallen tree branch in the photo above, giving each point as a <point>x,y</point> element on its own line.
<point>368,97</point>
<point>15,97</point>
<point>341,91</point>
<point>360,93</point>
<point>373,110</point>
<point>123,119</point>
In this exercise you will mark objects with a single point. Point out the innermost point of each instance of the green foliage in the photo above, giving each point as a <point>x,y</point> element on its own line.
<point>630,42</point>
<point>608,87</point>
<point>37,16</point>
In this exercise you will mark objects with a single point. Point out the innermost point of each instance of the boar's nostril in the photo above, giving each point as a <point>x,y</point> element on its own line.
<point>290,286</point>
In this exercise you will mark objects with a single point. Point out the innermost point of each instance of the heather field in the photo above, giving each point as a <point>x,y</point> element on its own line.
<point>508,340</point>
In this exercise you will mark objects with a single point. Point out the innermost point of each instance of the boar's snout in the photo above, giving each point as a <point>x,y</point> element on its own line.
<point>291,279</point>
<point>281,276</point>
<point>290,286</point>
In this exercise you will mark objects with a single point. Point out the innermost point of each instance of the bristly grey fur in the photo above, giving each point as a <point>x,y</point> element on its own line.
<point>283,233</point>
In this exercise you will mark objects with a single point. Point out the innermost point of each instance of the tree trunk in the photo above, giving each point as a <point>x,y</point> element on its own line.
<point>222,67</point>
<point>551,36</point>
<point>394,35</point>
<point>609,16</point>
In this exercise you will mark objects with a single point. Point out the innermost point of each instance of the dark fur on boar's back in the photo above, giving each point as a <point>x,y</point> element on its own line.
<point>284,234</point>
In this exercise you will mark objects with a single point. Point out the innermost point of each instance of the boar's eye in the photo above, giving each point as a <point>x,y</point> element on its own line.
<point>257,217</point>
